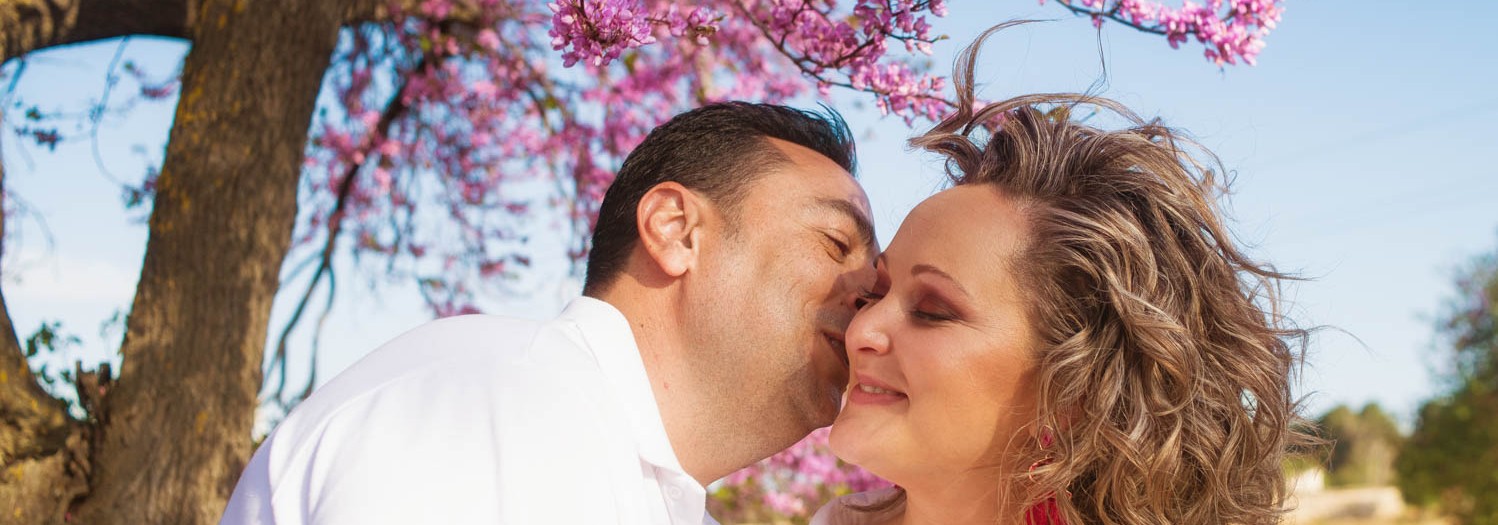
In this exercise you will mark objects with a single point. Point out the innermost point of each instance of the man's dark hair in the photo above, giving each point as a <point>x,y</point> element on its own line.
<point>716,151</point>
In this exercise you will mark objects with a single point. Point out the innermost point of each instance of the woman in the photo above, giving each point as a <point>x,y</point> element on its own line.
<point>1068,335</point>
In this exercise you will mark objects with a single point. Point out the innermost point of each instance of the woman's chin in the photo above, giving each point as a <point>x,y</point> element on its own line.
<point>853,445</point>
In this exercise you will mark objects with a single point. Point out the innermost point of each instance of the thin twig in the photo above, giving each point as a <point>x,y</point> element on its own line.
<point>97,115</point>
<point>395,109</point>
<point>1111,14</point>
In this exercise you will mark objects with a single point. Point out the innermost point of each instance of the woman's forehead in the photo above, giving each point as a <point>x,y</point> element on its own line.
<point>970,232</point>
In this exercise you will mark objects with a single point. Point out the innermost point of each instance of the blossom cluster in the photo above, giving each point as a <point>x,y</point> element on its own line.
<point>1231,30</point>
<point>852,51</point>
<point>790,484</point>
<point>597,30</point>
<point>700,24</point>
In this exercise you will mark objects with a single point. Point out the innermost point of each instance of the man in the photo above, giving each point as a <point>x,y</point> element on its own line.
<point>725,263</point>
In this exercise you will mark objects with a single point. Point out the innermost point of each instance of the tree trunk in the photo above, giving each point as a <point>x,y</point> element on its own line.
<point>175,430</point>
<point>42,452</point>
<point>167,441</point>
<point>29,25</point>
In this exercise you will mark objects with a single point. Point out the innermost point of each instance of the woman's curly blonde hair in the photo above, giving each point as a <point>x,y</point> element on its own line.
<point>1165,365</point>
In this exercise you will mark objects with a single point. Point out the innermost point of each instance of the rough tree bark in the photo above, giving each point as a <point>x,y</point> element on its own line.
<point>175,431</point>
<point>167,441</point>
<point>41,448</point>
<point>27,25</point>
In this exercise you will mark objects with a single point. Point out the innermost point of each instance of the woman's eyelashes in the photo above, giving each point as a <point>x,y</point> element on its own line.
<point>929,314</point>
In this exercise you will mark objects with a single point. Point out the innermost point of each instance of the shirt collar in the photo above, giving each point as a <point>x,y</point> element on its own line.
<point>607,333</point>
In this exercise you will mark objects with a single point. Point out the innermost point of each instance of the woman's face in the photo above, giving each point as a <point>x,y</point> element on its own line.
<point>941,353</point>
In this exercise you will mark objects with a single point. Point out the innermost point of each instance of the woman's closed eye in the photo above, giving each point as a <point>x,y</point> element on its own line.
<point>931,316</point>
<point>933,311</point>
<point>865,298</point>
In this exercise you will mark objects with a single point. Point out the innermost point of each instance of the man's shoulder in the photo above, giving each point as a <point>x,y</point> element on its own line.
<point>452,411</point>
<point>466,343</point>
<point>462,335</point>
<point>474,360</point>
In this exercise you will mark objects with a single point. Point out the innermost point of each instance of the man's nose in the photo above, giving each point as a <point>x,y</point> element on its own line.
<point>850,300</point>
<point>853,285</point>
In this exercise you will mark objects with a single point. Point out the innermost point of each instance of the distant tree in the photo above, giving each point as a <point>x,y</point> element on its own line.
<point>1451,459</point>
<point>1363,446</point>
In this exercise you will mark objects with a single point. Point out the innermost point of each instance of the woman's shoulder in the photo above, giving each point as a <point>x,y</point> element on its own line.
<point>844,510</point>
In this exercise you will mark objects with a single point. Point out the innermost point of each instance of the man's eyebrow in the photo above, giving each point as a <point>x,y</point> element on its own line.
<point>926,268</point>
<point>860,222</point>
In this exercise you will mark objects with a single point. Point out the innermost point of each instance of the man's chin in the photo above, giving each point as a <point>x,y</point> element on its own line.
<point>826,407</point>
<point>816,406</point>
<point>837,394</point>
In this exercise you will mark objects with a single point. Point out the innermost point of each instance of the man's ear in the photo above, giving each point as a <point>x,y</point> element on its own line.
<point>669,219</point>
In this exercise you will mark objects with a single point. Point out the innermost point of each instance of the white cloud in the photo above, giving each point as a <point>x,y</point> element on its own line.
<point>59,280</point>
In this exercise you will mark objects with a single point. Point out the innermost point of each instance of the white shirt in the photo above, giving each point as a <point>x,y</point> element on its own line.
<point>478,419</point>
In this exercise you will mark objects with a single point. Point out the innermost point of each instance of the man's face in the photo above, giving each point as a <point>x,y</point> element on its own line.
<point>777,294</point>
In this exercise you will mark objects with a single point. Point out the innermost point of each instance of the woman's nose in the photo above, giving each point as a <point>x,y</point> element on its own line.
<point>867,333</point>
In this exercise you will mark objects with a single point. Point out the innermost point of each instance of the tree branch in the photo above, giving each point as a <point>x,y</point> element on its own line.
<point>393,111</point>
<point>463,11</point>
<point>1111,14</point>
<point>30,25</point>
<point>97,115</point>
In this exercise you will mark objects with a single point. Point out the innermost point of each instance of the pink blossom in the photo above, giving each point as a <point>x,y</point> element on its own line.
<point>700,24</point>
<point>785,503</point>
<point>160,91</point>
<point>488,39</point>
<point>369,118</point>
<point>484,89</point>
<point>1231,30</point>
<point>800,478</point>
<point>389,148</point>
<point>382,180</point>
<point>597,31</point>
<point>436,9</point>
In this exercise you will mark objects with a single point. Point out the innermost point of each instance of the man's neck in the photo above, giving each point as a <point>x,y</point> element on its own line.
<point>694,423</point>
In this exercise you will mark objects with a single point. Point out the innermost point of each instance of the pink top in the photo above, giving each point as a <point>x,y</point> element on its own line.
<point>839,511</point>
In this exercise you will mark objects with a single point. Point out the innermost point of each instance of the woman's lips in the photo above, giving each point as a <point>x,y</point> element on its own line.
<point>869,391</point>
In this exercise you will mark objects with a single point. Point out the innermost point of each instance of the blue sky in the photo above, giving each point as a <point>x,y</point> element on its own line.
<point>1360,145</point>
